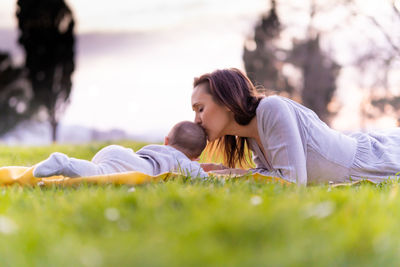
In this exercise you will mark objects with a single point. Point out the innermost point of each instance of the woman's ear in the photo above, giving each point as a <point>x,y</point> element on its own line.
<point>166,140</point>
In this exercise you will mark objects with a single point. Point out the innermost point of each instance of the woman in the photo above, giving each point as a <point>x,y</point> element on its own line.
<point>287,139</point>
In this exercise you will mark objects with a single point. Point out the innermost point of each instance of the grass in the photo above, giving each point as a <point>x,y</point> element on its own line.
<point>194,223</point>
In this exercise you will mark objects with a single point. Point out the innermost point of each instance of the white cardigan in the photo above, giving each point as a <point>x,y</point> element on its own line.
<point>301,148</point>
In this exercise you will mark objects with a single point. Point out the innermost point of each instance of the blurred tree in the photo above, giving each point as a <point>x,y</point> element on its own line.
<point>263,58</point>
<point>307,47</point>
<point>265,62</point>
<point>15,95</point>
<point>46,34</point>
<point>380,61</point>
<point>319,74</point>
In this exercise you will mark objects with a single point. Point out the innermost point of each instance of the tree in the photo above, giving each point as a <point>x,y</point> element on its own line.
<point>265,62</point>
<point>15,95</point>
<point>46,34</point>
<point>319,73</point>
<point>261,55</point>
<point>320,41</point>
<point>379,64</point>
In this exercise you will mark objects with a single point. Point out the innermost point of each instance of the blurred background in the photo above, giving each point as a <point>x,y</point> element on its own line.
<point>79,71</point>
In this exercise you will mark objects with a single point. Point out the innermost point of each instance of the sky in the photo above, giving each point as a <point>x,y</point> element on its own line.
<point>136,60</point>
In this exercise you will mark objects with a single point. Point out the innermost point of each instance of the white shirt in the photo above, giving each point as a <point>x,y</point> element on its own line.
<point>301,148</point>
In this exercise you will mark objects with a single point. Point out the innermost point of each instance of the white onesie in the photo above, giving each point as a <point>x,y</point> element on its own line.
<point>151,159</point>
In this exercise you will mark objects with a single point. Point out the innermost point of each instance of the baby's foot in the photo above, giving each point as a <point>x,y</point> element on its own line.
<point>54,165</point>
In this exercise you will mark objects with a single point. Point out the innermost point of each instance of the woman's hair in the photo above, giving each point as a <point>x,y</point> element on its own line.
<point>189,138</point>
<point>233,89</point>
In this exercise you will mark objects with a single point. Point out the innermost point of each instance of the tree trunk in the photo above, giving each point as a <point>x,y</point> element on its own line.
<point>54,126</point>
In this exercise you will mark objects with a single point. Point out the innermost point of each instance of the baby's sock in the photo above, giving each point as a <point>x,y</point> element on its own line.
<point>54,165</point>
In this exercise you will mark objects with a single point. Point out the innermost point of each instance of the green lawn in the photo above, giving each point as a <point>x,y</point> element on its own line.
<point>194,223</point>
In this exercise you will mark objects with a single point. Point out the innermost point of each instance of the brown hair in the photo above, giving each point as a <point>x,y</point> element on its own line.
<point>233,89</point>
<point>189,138</point>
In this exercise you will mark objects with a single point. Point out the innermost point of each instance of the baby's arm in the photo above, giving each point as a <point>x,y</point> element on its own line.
<point>191,168</point>
<point>61,164</point>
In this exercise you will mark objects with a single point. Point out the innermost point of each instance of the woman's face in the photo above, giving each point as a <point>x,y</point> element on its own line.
<point>214,118</point>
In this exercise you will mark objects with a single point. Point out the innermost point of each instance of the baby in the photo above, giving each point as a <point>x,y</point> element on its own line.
<point>182,148</point>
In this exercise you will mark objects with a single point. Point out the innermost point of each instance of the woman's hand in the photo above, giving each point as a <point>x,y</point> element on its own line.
<point>230,171</point>
<point>212,166</point>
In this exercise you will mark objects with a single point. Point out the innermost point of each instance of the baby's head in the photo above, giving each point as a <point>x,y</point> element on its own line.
<point>187,137</point>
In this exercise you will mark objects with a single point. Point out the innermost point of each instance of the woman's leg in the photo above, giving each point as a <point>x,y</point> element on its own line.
<point>61,164</point>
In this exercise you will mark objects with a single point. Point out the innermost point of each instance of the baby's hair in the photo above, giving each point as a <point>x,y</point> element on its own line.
<point>188,137</point>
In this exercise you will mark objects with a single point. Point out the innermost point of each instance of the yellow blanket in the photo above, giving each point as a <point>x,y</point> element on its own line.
<point>24,176</point>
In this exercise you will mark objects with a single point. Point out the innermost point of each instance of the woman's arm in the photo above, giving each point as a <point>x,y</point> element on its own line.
<point>282,136</point>
<point>230,171</point>
<point>212,166</point>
